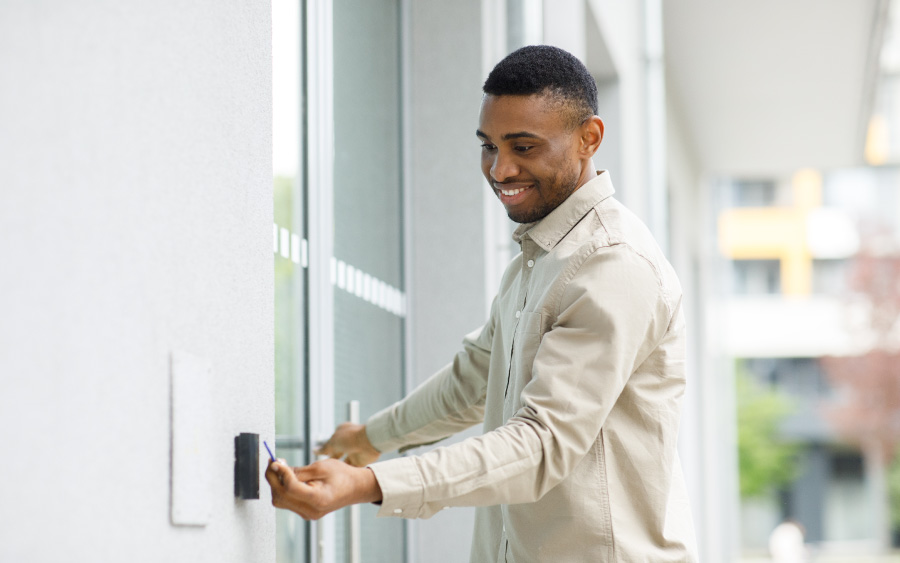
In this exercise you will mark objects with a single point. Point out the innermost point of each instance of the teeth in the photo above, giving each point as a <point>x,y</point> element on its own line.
<point>512,192</point>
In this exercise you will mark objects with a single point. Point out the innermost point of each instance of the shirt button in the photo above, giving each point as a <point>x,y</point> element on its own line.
<point>518,314</point>
<point>398,510</point>
<point>531,263</point>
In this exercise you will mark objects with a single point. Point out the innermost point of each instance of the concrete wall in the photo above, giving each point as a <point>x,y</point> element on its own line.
<point>135,220</point>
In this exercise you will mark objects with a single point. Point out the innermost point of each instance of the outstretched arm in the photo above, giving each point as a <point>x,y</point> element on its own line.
<point>604,326</point>
<point>448,402</point>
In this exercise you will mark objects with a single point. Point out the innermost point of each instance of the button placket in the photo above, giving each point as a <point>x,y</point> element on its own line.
<point>528,250</point>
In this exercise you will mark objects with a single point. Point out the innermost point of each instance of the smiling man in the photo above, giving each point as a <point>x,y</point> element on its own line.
<point>577,375</point>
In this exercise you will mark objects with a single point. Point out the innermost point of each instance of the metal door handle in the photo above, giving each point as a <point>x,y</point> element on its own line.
<point>354,524</point>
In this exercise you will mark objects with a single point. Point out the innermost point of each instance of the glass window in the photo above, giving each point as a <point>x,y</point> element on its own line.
<point>756,277</point>
<point>290,261</point>
<point>368,234</point>
<point>753,193</point>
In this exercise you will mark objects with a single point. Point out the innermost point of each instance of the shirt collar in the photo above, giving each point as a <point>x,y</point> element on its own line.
<point>551,229</point>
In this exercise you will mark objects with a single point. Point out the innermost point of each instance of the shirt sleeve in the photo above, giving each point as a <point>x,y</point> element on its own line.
<point>448,402</point>
<point>611,315</point>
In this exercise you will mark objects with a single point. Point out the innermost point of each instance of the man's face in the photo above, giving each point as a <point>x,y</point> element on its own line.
<point>529,154</point>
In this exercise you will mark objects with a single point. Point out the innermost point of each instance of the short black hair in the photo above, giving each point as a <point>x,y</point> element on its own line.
<point>544,69</point>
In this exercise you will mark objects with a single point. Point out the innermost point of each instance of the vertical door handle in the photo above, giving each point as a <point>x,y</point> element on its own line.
<point>353,516</point>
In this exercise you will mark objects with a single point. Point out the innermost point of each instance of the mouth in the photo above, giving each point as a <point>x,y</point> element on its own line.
<point>512,194</point>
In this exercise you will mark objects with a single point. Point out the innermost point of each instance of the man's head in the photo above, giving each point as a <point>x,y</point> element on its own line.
<point>538,129</point>
<point>551,72</point>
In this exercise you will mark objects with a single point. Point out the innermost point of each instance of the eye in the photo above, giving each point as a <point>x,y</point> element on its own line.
<point>523,148</point>
<point>488,147</point>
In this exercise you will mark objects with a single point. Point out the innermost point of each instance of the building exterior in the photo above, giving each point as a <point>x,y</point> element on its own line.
<point>143,326</point>
<point>790,239</point>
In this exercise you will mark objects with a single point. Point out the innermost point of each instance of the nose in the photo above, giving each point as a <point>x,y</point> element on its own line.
<point>503,167</point>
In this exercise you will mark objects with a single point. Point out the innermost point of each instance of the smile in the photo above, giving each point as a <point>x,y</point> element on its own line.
<point>514,193</point>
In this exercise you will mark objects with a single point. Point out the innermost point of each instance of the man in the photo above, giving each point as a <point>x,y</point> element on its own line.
<point>577,375</point>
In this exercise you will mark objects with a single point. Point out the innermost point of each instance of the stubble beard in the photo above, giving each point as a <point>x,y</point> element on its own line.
<point>560,190</point>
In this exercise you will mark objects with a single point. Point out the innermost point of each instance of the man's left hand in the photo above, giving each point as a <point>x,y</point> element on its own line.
<point>322,487</point>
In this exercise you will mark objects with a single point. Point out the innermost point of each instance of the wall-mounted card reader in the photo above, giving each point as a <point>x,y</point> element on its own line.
<point>246,466</point>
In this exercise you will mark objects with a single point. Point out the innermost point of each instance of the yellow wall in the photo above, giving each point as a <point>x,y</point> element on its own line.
<point>776,233</point>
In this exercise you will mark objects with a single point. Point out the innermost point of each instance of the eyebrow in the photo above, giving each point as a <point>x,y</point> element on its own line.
<point>508,136</point>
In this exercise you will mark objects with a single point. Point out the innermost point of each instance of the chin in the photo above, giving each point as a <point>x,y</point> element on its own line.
<point>523,217</point>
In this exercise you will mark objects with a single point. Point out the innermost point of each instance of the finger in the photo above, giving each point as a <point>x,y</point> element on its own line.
<point>309,473</point>
<point>324,449</point>
<point>273,476</point>
<point>288,477</point>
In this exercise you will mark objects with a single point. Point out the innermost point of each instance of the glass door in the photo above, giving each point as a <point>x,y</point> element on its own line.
<point>369,300</point>
<point>291,260</point>
<point>339,240</point>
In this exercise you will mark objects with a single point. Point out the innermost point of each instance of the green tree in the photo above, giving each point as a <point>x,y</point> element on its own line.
<point>893,483</point>
<point>865,407</point>
<point>765,459</point>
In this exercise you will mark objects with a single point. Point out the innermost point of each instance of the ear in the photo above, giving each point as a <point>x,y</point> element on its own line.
<point>591,136</point>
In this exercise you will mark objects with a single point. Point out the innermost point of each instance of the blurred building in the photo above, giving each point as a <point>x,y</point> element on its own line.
<point>142,326</point>
<point>790,235</point>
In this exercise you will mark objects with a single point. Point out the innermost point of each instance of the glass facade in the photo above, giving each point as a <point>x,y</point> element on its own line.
<point>367,319</point>
<point>368,235</point>
<point>289,238</point>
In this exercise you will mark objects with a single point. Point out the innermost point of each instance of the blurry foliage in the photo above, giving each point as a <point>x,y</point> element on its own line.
<point>287,331</point>
<point>866,410</point>
<point>894,491</point>
<point>765,460</point>
<point>866,407</point>
<point>875,279</point>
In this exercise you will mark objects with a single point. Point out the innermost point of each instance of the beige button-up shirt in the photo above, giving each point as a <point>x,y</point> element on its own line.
<point>578,376</point>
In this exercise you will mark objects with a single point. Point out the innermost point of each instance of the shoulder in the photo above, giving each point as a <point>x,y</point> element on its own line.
<point>616,257</point>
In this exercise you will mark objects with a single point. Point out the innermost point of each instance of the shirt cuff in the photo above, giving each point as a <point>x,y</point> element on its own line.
<point>402,489</point>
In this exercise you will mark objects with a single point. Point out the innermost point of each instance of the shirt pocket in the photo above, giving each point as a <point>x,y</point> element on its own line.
<point>526,341</point>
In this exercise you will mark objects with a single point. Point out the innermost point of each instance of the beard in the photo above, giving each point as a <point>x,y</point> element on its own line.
<point>550,196</point>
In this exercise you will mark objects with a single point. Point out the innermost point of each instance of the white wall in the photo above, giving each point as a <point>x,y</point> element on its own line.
<point>135,220</point>
<point>706,442</point>
<point>620,24</point>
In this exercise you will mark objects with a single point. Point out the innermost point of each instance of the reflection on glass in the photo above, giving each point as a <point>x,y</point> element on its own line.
<point>368,231</point>
<point>291,530</point>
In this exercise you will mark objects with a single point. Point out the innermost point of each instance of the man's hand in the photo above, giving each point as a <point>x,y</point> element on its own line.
<point>350,440</point>
<point>322,487</point>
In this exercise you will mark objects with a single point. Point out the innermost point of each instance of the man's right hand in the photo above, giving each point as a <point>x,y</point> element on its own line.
<point>350,443</point>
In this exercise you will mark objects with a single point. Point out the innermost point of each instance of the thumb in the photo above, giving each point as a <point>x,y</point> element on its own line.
<point>311,472</point>
<point>274,473</point>
<point>286,474</point>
